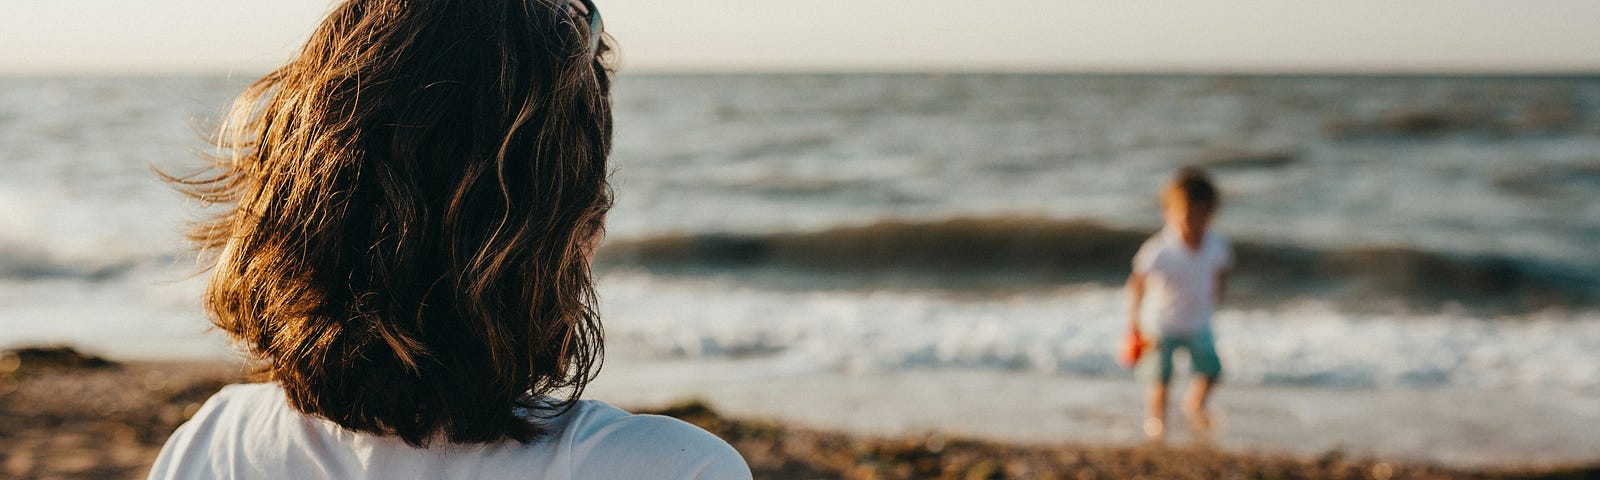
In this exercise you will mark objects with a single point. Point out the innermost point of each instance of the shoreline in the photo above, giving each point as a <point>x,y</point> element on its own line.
<point>108,422</point>
<point>1456,428</point>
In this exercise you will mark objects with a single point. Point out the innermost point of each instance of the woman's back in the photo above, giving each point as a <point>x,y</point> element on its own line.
<point>412,204</point>
<point>250,431</point>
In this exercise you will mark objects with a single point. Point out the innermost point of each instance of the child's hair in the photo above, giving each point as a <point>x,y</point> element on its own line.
<point>409,204</point>
<point>1192,186</point>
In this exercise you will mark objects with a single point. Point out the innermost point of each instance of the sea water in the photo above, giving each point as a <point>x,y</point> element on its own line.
<point>1394,233</point>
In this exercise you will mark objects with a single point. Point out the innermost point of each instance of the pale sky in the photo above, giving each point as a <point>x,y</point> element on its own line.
<point>248,36</point>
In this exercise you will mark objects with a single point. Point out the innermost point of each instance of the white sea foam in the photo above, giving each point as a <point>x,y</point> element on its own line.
<point>1073,331</point>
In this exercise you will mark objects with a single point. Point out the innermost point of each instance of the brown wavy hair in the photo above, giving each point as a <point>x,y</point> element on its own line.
<point>410,206</point>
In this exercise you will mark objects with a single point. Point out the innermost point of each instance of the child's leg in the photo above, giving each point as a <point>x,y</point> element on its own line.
<point>1194,403</point>
<point>1199,393</point>
<point>1207,369</point>
<point>1155,420</point>
<point>1158,371</point>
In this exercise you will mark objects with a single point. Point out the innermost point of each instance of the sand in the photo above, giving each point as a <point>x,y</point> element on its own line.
<point>97,422</point>
<point>1456,427</point>
<point>84,419</point>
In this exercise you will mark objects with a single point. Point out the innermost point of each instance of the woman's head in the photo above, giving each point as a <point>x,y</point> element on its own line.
<point>411,201</point>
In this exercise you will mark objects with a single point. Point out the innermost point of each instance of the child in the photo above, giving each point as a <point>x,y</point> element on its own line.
<point>1183,267</point>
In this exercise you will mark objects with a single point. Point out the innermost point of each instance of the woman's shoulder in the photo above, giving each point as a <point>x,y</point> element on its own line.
<point>608,442</point>
<point>591,440</point>
<point>239,399</point>
<point>248,393</point>
<point>215,431</point>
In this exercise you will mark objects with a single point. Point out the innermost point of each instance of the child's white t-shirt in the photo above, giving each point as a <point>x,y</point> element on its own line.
<point>251,432</point>
<point>1181,283</point>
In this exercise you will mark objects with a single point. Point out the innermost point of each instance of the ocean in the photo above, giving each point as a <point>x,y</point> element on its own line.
<point>1392,233</point>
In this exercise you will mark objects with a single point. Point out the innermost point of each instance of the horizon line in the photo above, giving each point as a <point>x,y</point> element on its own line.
<point>913,70</point>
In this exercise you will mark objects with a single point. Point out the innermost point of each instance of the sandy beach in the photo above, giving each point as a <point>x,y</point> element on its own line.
<point>64,415</point>
<point>1453,427</point>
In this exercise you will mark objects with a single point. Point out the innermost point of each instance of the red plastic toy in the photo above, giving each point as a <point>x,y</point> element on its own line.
<point>1132,347</point>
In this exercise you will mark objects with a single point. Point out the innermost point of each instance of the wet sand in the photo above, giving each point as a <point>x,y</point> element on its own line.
<point>76,419</point>
<point>1457,427</point>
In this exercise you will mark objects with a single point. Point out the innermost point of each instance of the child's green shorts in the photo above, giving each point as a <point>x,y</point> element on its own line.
<point>1202,350</point>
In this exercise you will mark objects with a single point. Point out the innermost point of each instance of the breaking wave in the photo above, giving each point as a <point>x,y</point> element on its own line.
<point>1011,253</point>
<point>21,261</point>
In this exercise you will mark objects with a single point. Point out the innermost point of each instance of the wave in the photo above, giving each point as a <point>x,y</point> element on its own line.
<point>24,262</point>
<point>1009,253</point>
<point>1544,117</point>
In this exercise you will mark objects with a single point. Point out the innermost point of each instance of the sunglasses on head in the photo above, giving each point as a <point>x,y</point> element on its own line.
<point>585,9</point>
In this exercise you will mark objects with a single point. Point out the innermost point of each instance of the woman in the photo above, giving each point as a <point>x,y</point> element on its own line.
<point>412,205</point>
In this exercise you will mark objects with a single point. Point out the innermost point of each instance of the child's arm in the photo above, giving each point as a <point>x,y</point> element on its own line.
<point>1135,297</point>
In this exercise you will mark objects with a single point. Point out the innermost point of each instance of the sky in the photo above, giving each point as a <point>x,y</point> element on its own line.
<point>1373,36</point>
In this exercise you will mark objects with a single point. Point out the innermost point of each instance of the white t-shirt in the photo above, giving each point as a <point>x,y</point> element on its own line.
<point>1180,283</point>
<point>251,432</point>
